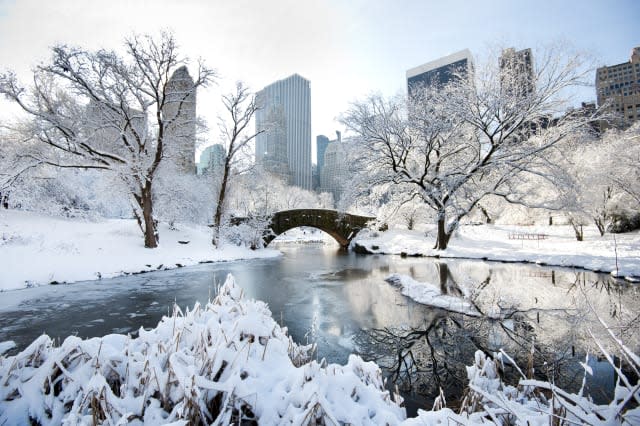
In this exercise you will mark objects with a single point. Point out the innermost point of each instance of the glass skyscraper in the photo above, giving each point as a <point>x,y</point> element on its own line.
<point>284,148</point>
<point>440,71</point>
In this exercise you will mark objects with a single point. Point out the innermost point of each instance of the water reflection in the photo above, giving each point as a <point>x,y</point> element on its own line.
<point>547,320</point>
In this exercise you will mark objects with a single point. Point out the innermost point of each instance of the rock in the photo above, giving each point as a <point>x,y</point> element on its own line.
<point>360,249</point>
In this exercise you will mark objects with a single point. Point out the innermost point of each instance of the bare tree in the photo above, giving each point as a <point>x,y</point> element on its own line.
<point>98,110</point>
<point>453,145</point>
<point>240,107</point>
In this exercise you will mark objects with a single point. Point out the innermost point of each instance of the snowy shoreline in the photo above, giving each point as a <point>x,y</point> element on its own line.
<point>40,250</point>
<point>628,278</point>
<point>491,243</point>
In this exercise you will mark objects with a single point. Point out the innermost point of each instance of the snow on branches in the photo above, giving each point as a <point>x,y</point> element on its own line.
<point>453,145</point>
<point>100,110</point>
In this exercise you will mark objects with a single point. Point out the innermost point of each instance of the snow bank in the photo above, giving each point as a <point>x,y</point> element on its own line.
<point>491,242</point>
<point>223,362</point>
<point>429,294</point>
<point>7,346</point>
<point>36,249</point>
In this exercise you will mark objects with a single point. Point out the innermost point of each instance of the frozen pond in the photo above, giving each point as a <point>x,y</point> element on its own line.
<point>342,302</point>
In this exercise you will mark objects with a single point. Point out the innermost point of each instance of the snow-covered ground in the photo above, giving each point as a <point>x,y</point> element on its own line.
<point>36,249</point>
<point>304,234</point>
<point>560,248</point>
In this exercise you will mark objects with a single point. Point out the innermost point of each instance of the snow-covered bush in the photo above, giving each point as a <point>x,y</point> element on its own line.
<point>249,232</point>
<point>621,222</point>
<point>69,193</point>
<point>225,362</point>
<point>230,362</point>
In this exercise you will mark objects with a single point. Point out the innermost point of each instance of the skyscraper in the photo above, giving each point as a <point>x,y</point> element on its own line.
<point>334,173</point>
<point>285,115</point>
<point>441,71</point>
<point>321,146</point>
<point>516,72</point>
<point>619,86</point>
<point>179,113</point>
<point>212,159</point>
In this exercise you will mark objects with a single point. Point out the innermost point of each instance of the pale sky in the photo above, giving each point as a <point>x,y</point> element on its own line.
<point>346,48</point>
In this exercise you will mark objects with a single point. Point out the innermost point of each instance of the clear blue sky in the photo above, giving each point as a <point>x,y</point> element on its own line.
<point>346,48</point>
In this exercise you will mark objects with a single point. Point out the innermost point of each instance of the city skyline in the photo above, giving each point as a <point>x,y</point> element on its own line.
<point>345,50</point>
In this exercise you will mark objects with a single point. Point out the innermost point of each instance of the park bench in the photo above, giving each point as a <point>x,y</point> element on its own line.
<point>530,236</point>
<point>527,236</point>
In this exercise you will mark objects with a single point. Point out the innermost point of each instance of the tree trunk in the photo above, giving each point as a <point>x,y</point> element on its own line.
<point>443,236</point>
<point>149,223</point>
<point>448,285</point>
<point>577,229</point>
<point>217,219</point>
<point>485,213</point>
<point>601,224</point>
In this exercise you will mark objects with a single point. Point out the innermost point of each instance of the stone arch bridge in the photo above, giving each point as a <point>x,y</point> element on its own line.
<point>343,227</point>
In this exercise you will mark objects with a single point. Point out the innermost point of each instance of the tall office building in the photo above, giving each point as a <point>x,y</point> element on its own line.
<point>284,148</point>
<point>516,72</point>
<point>334,172</point>
<point>441,71</point>
<point>321,146</point>
<point>180,117</point>
<point>212,159</point>
<point>619,87</point>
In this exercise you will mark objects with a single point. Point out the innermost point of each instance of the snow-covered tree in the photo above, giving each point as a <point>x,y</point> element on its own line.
<point>453,145</point>
<point>240,107</point>
<point>18,162</point>
<point>252,199</point>
<point>261,193</point>
<point>625,152</point>
<point>100,110</point>
<point>606,180</point>
<point>186,198</point>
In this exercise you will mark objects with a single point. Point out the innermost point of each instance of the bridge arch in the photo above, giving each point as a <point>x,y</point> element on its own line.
<point>343,227</point>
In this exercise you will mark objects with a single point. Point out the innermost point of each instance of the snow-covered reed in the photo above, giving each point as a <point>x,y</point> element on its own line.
<point>225,362</point>
<point>489,401</point>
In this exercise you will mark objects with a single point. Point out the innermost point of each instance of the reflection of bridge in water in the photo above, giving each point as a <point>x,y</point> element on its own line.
<point>343,227</point>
